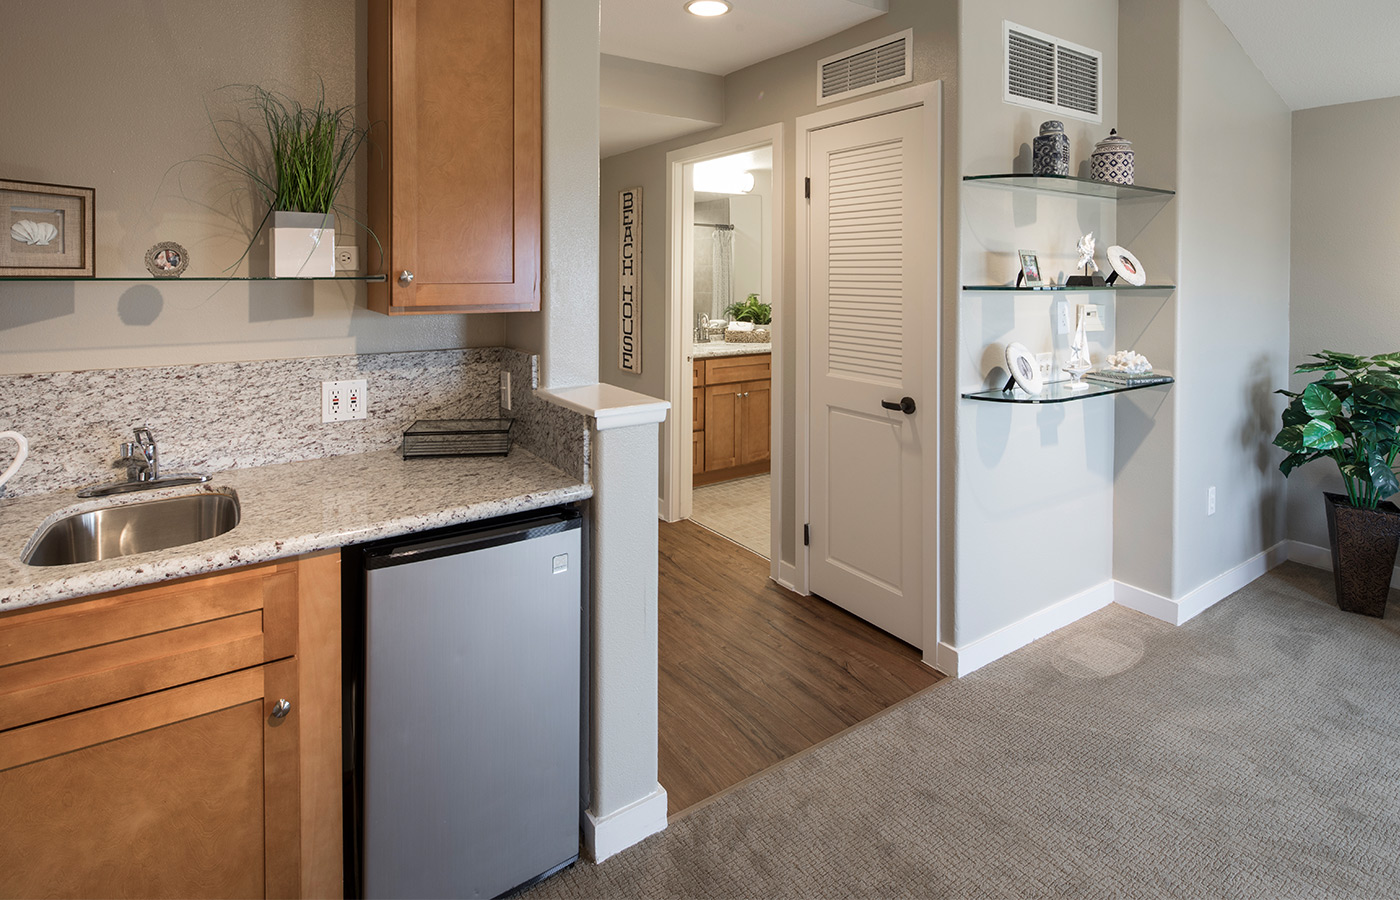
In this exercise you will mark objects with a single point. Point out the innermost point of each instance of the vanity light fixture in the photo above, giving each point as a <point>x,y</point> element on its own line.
<point>707,8</point>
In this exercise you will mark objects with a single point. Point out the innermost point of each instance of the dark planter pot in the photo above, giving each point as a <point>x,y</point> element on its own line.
<point>1363,553</point>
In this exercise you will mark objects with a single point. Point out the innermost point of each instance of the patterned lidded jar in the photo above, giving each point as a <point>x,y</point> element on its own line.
<point>1112,160</point>
<point>1051,155</point>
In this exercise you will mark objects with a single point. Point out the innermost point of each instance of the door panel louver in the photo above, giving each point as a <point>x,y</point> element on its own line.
<point>1047,73</point>
<point>871,66</point>
<point>865,262</point>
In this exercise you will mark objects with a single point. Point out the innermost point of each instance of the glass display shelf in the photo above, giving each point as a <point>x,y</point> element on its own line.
<point>1060,392</point>
<point>1064,184</point>
<point>15,279</point>
<point>1070,287</point>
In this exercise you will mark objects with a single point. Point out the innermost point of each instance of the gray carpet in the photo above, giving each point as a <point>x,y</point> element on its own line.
<point>1253,752</point>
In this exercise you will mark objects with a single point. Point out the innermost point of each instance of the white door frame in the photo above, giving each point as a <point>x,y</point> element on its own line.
<point>929,96</point>
<point>676,460</point>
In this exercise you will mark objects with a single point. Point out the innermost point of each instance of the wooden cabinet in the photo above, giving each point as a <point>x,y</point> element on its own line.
<point>143,751</point>
<point>733,419</point>
<point>454,170</point>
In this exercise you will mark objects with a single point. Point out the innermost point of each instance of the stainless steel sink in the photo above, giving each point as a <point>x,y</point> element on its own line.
<point>139,527</point>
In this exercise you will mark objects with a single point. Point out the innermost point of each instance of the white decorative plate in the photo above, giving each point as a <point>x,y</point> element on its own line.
<point>1021,363</point>
<point>1127,266</point>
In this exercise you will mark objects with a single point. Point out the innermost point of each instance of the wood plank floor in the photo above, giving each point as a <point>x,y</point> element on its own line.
<point>751,673</point>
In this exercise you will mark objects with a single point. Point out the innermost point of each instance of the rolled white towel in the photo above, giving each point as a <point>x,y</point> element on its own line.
<point>741,326</point>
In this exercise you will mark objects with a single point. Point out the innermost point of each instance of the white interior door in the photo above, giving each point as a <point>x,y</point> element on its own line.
<point>873,315</point>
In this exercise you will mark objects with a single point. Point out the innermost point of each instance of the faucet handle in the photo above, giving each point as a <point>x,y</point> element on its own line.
<point>146,444</point>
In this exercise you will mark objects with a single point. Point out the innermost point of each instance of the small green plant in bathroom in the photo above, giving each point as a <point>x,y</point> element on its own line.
<point>750,310</point>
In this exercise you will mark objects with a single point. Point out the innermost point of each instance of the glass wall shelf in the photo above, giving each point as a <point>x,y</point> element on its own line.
<point>15,279</point>
<point>1060,392</point>
<point>1064,184</point>
<point>1070,287</point>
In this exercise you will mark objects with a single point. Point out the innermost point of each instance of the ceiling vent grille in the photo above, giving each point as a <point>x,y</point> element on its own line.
<point>879,64</point>
<point>1047,73</point>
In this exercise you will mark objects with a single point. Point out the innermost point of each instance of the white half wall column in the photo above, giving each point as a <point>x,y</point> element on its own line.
<point>626,802</point>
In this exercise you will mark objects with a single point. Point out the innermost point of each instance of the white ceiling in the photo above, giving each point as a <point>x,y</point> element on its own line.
<point>1319,52</point>
<point>661,31</point>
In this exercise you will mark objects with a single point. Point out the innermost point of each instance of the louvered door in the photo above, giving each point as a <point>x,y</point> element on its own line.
<point>871,293</point>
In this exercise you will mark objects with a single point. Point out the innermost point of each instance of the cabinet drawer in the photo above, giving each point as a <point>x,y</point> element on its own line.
<point>727,370</point>
<point>84,653</point>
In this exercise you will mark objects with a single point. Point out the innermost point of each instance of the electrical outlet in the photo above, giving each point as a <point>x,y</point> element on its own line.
<point>1093,317</point>
<point>1046,362</point>
<point>344,400</point>
<point>505,391</point>
<point>347,258</point>
<point>1210,501</point>
<point>1062,317</point>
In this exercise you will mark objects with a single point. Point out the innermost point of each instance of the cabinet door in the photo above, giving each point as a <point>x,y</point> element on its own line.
<point>755,420</point>
<point>189,792</point>
<point>697,409</point>
<point>722,424</point>
<point>457,199</point>
<point>697,452</point>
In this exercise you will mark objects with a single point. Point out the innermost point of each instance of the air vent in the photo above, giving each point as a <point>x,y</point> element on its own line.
<point>879,64</point>
<point>1047,73</point>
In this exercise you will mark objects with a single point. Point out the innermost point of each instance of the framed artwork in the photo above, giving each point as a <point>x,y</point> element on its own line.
<point>1125,266</point>
<point>46,230</point>
<point>167,260</point>
<point>1030,270</point>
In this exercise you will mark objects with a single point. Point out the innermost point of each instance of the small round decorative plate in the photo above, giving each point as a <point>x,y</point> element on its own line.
<point>167,259</point>
<point>1023,367</point>
<point>1127,266</point>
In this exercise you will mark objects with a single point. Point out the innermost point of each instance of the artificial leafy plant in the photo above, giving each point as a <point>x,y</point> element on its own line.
<point>1350,415</point>
<point>750,310</point>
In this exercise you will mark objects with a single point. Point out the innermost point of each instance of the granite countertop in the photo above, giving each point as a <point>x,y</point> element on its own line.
<point>716,349</point>
<point>288,509</point>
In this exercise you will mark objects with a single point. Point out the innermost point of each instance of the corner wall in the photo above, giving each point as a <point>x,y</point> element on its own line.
<point>1345,229</point>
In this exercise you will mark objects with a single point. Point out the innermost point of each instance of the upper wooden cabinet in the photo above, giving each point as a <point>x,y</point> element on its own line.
<point>454,172</point>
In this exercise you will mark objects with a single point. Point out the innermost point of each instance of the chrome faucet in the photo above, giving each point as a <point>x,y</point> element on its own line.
<point>140,457</point>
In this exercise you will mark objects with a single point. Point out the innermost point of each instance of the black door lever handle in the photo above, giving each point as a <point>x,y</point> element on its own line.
<point>905,406</point>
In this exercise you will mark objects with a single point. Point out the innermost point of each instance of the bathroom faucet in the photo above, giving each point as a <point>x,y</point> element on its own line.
<point>141,458</point>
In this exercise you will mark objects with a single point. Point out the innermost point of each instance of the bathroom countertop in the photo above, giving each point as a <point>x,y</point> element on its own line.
<point>716,349</point>
<point>288,509</point>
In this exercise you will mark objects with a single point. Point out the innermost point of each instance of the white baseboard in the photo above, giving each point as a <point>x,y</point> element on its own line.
<point>1178,612</point>
<point>960,661</point>
<point>621,829</point>
<point>1321,558</point>
<point>787,577</point>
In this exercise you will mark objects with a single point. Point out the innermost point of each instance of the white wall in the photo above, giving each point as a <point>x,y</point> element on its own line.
<point>1234,204</point>
<point>1346,226</point>
<point>1034,484</point>
<point>113,96</point>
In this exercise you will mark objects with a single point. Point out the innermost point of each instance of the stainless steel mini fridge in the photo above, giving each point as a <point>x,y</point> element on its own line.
<point>470,723</point>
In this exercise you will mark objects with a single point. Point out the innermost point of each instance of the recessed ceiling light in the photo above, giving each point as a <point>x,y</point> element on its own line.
<point>707,8</point>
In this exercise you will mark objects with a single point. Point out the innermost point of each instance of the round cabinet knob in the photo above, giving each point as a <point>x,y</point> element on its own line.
<point>281,709</point>
<point>405,278</point>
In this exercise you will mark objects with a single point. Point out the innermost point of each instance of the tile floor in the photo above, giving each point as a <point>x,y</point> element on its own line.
<point>737,509</point>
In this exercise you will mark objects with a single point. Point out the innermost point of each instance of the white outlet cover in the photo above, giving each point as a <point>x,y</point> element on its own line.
<point>347,258</point>
<point>1062,317</point>
<point>1093,317</point>
<point>344,400</point>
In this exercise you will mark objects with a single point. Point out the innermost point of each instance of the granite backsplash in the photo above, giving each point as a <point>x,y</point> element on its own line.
<point>218,416</point>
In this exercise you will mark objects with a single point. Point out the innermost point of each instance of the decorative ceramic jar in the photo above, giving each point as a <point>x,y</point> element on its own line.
<point>1051,155</point>
<point>302,245</point>
<point>1112,160</point>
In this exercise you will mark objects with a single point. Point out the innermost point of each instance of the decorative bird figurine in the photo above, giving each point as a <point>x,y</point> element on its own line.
<point>1086,253</point>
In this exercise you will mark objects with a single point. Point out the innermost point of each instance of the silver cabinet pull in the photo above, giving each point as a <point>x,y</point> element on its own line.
<point>405,278</point>
<point>281,709</point>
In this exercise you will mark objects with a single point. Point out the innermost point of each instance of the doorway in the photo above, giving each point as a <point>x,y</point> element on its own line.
<point>722,449</point>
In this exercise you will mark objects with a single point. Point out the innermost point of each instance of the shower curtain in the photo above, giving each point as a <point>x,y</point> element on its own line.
<point>722,270</point>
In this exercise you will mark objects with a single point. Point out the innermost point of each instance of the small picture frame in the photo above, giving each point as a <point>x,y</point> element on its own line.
<point>1030,270</point>
<point>167,260</point>
<point>46,230</point>
<point>1125,266</point>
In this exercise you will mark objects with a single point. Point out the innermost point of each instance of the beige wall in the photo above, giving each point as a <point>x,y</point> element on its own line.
<point>1346,226</point>
<point>1234,205</point>
<point>1032,482</point>
<point>113,95</point>
<point>776,91</point>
